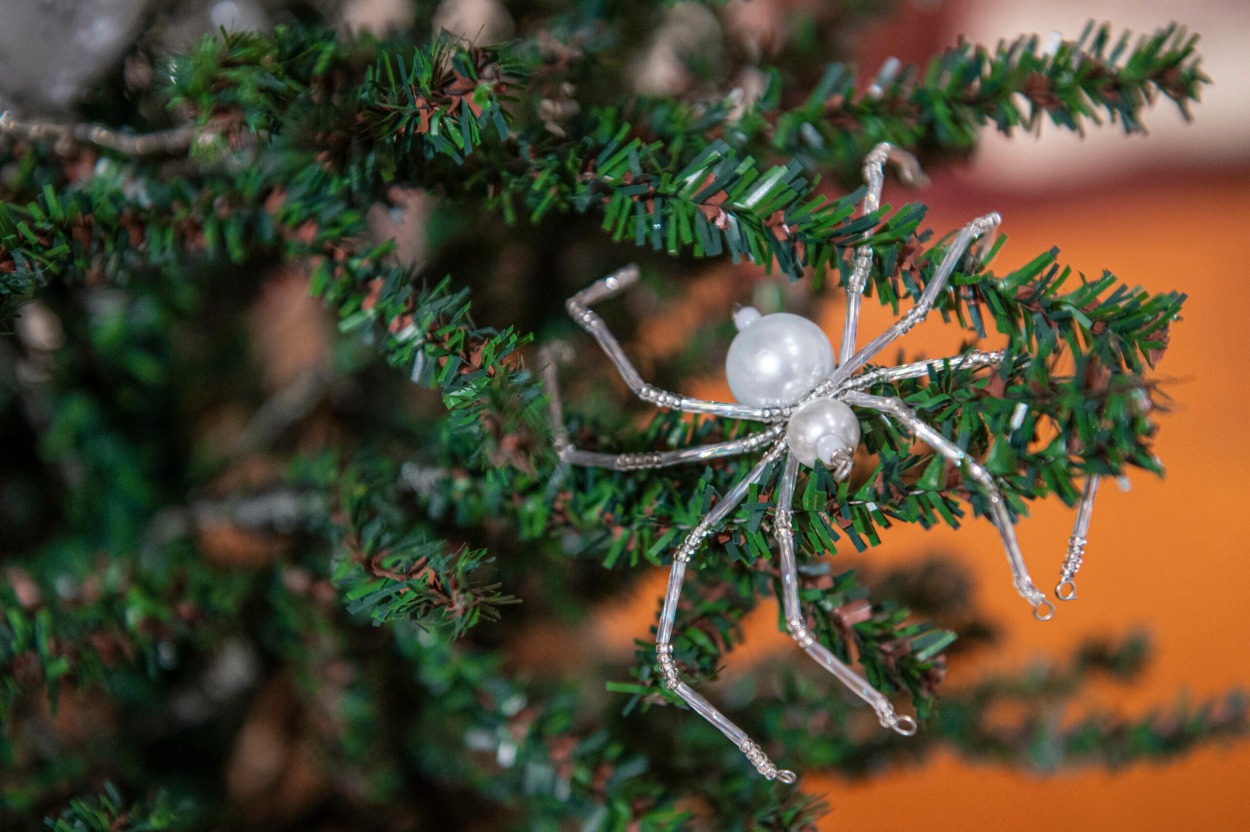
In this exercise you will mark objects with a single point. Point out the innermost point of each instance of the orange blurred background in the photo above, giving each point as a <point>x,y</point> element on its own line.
<point>1167,556</point>
<point>1167,211</point>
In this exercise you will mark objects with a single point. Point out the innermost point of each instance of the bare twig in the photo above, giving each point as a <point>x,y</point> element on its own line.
<point>283,409</point>
<point>170,142</point>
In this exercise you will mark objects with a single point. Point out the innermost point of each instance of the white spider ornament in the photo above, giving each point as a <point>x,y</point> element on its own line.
<point>781,369</point>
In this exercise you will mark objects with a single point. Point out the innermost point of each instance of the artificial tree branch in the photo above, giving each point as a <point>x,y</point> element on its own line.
<point>144,258</point>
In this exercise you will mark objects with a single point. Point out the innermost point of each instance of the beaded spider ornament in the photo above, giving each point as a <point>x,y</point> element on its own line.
<point>782,370</point>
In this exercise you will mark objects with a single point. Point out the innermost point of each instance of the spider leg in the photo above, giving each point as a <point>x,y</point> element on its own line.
<point>664,634</point>
<point>874,178</point>
<point>661,459</point>
<point>634,461</point>
<point>1043,610</point>
<point>974,360</point>
<point>1065,590</point>
<point>797,623</point>
<point>924,303</point>
<point>610,286</point>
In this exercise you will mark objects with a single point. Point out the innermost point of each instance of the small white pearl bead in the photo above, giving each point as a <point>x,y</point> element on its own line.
<point>776,359</point>
<point>821,428</point>
<point>744,317</point>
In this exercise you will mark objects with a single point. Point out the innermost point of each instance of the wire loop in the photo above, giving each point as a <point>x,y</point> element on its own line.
<point>905,725</point>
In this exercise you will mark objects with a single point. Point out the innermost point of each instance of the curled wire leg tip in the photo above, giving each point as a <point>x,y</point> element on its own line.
<point>1066,590</point>
<point>905,725</point>
<point>788,777</point>
<point>1043,610</point>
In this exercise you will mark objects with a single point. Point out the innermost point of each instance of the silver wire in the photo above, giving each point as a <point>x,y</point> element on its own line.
<point>895,408</point>
<point>1065,590</point>
<point>796,622</point>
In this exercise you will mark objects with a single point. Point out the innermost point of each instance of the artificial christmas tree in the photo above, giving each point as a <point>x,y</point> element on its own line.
<point>258,573</point>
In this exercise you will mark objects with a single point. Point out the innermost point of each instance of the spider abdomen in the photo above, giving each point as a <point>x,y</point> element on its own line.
<point>775,360</point>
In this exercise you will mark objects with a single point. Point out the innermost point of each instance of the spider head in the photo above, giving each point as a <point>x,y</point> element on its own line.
<point>775,359</point>
<point>824,429</point>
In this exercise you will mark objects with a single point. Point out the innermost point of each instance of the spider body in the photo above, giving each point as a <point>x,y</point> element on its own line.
<point>782,371</point>
<point>776,361</point>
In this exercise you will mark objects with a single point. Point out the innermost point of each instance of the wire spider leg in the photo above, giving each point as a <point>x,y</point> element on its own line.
<point>796,622</point>
<point>924,303</point>
<point>661,459</point>
<point>664,634</point>
<point>974,360</point>
<point>573,455</point>
<point>874,178</point>
<point>579,309</point>
<point>1065,590</point>
<point>894,407</point>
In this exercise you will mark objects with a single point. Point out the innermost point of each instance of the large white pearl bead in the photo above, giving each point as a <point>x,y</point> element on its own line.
<point>821,428</point>
<point>776,359</point>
